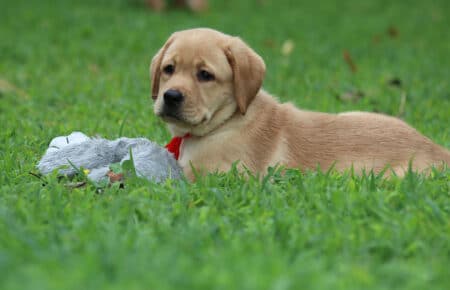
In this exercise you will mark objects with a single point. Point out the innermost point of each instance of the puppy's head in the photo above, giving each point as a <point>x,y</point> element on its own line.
<point>201,77</point>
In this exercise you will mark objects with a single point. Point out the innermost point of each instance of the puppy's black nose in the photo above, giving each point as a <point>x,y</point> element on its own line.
<point>173,98</point>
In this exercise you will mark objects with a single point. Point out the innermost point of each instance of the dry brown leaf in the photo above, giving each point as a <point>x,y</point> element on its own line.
<point>392,31</point>
<point>268,42</point>
<point>348,59</point>
<point>376,39</point>
<point>114,177</point>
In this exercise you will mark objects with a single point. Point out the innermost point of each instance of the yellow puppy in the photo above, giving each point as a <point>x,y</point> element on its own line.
<point>208,84</point>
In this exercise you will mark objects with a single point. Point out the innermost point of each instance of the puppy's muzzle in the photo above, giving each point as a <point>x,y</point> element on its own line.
<point>173,100</point>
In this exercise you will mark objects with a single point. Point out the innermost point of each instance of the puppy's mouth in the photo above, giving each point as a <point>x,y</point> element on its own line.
<point>169,116</point>
<point>178,118</point>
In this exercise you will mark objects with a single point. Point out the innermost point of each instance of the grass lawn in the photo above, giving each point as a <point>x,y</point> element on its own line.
<point>83,65</point>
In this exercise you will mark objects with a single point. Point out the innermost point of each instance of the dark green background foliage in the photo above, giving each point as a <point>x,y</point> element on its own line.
<point>84,66</point>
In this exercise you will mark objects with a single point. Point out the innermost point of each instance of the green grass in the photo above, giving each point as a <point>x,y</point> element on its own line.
<point>84,66</point>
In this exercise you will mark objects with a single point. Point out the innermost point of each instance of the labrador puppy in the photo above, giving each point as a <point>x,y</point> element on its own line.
<point>207,87</point>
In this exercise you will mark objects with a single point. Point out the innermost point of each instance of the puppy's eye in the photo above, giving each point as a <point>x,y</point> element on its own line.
<point>205,76</point>
<point>169,69</point>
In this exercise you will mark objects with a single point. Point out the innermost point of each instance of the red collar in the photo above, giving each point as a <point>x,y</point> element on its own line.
<point>174,145</point>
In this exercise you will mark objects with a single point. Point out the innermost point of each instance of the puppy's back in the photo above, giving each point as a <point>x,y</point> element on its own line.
<point>358,139</point>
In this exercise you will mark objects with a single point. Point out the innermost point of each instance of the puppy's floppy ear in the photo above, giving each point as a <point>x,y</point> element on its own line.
<point>155,67</point>
<point>248,72</point>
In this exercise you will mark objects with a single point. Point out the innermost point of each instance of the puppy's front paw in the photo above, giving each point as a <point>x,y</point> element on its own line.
<point>62,141</point>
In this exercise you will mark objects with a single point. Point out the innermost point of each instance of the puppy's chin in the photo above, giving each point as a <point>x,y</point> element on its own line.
<point>197,126</point>
<point>180,125</point>
<point>183,121</point>
<point>205,125</point>
<point>198,121</point>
